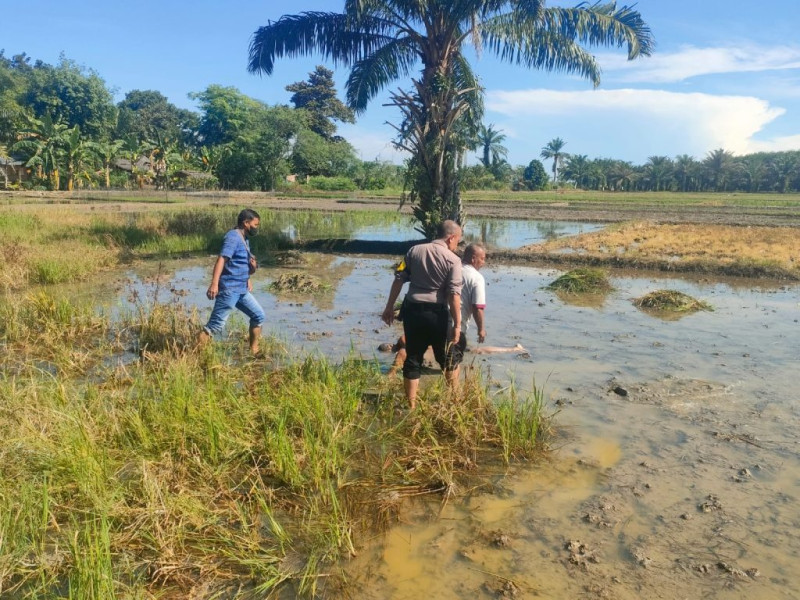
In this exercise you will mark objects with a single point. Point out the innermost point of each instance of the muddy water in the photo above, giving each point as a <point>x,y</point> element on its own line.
<point>391,227</point>
<point>687,486</point>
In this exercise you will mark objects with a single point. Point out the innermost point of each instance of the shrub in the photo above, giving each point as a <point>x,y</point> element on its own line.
<point>332,184</point>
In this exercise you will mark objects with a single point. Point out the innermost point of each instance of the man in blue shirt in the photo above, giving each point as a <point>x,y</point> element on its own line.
<point>230,281</point>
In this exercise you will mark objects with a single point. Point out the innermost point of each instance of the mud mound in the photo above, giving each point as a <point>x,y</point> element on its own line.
<point>290,258</point>
<point>670,301</point>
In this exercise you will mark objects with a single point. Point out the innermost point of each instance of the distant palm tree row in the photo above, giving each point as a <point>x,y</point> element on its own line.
<point>719,171</point>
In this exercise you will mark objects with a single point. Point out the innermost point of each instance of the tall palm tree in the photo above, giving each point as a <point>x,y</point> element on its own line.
<point>490,140</point>
<point>623,176</point>
<point>717,163</point>
<point>553,150</point>
<point>659,170</point>
<point>384,40</point>
<point>578,169</point>
<point>685,169</point>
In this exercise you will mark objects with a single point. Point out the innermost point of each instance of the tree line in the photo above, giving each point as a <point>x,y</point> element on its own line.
<point>60,124</point>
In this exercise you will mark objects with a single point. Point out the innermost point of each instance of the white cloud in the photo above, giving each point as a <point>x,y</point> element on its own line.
<point>691,61</point>
<point>632,124</point>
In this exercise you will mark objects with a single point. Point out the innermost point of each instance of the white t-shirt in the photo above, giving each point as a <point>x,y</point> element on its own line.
<point>473,293</point>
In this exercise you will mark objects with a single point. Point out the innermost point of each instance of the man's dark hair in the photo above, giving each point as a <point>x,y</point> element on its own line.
<point>447,228</point>
<point>248,214</point>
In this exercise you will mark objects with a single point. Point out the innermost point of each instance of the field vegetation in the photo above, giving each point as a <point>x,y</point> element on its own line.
<point>133,466</point>
<point>671,301</point>
<point>584,280</point>
<point>744,251</point>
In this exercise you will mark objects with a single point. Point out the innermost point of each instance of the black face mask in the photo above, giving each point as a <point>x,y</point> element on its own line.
<point>252,231</point>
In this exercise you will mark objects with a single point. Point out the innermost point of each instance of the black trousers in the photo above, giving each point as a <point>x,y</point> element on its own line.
<point>425,324</point>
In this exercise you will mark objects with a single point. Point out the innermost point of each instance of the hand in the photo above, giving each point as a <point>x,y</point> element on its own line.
<point>213,291</point>
<point>388,315</point>
<point>249,286</point>
<point>481,336</point>
<point>456,335</point>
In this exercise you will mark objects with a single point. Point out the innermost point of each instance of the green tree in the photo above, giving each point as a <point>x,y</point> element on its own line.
<point>317,97</point>
<point>623,176</point>
<point>717,164</point>
<point>148,114</point>
<point>578,169</point>
<point>107,152</point>
<point>77,157</point>
<point>685,170</point>
<point>226,114</point>
<point>257,158</point>
<point>42,142</point>
<point>535,177</point>
<point>553,150</point>
<point>383,40</point>
<point>14,76</point>
<point>312,154</point>
<point>490,140</point>
<point>72,95</point>
<point>658,170</point>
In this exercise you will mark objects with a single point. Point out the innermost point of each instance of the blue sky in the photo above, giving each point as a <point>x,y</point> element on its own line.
<point>725,73</point>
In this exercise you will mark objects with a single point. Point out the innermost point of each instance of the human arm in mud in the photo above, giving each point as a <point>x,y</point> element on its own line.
<point>454,302</point>
<point>388,312</point>
<point>477,314</point>
<point>213,289</point>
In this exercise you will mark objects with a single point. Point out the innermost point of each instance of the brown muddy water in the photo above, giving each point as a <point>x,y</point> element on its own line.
<point>682,483</point>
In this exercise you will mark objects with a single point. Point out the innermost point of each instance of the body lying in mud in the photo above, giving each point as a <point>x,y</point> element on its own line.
<point>399,350</point>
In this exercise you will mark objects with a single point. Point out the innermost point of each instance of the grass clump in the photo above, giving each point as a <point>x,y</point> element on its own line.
<point>197,474</point>
<point>583,280</point>
<point>671,301</point>
<point>298,283</point>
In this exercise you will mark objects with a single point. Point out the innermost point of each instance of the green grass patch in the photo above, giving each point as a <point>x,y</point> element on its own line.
<point>671,301</point>
<point>584,280</point>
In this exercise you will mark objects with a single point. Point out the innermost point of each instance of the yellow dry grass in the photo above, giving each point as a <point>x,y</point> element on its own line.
<point>722,245</point>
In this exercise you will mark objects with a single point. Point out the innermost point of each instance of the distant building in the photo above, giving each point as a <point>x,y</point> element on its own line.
<point>142,165</point>
<point>195,179</point>
<point>12,171</point>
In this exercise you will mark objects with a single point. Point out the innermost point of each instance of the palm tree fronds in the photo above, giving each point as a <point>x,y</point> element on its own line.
<point>540,49</point>
<point>373,73</point>
<point>602,24</point>
<point>333,35</point>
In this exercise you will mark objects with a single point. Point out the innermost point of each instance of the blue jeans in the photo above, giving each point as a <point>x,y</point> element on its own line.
<point>225,302</point>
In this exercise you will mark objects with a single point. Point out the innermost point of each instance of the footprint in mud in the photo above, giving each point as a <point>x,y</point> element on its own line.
<point>580,554</point>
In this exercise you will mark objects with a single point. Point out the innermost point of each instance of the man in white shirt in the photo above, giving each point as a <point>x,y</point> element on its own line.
<point>473,303</point>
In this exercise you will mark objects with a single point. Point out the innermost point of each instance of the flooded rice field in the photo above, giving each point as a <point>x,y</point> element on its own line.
<point>676,464</point>
<point>391,227</point>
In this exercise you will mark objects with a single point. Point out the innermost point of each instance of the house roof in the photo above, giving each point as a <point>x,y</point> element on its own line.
<point>142,163</point>
<point>194,174</point>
